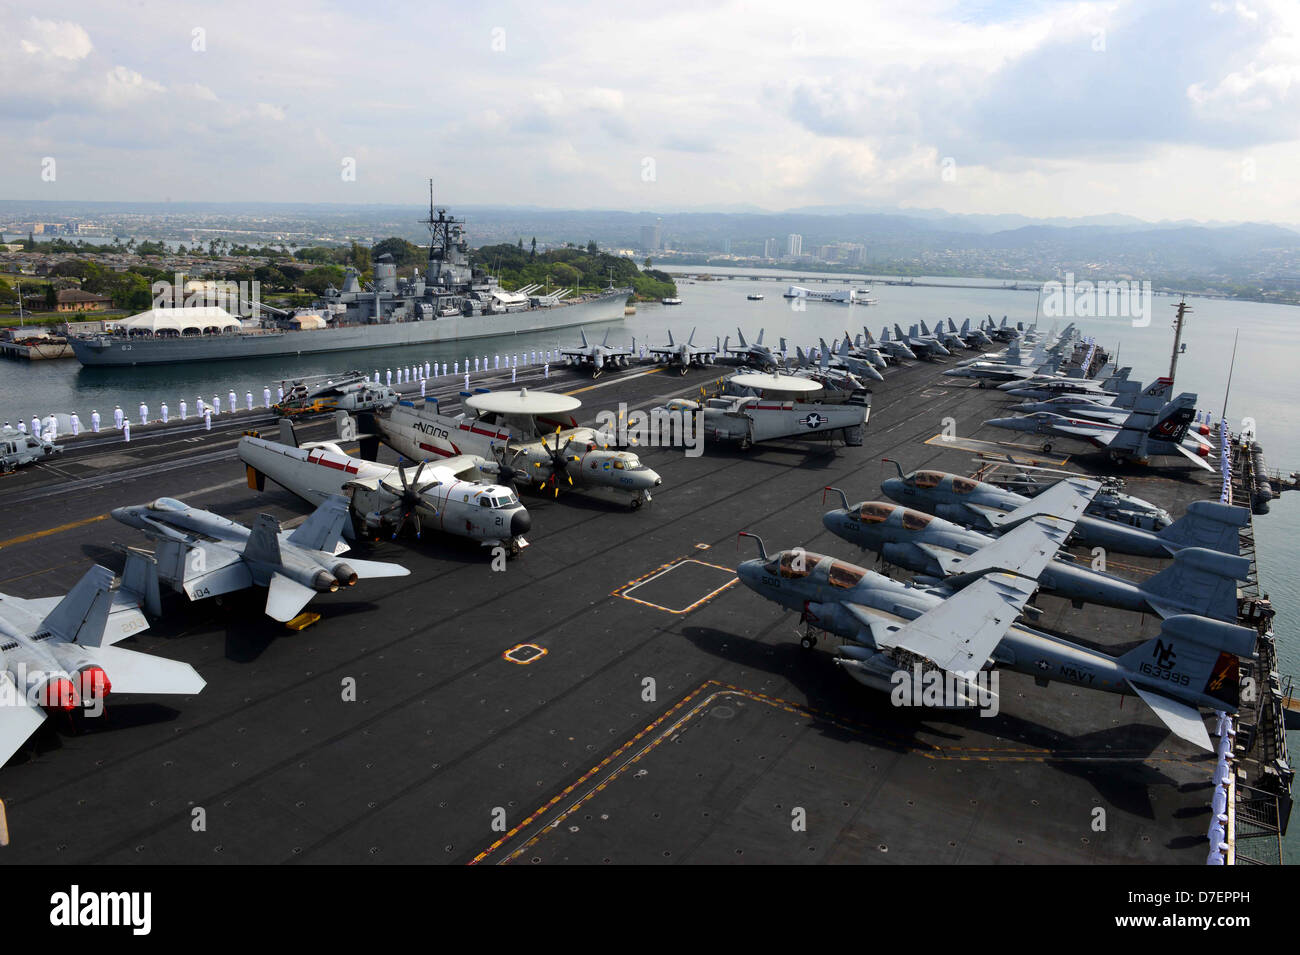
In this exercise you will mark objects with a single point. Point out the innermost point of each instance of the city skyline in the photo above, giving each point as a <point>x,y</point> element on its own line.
<point>1154,110</point>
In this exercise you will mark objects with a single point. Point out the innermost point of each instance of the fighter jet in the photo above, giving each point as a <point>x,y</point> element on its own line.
<point>1128,396</point>
<point>992,509</point>
<point>1139,437</point>
<point>445,496</point>
<point>864,347</point>
<point>530,435</point>
<point>598,357</point>
<point>841,356</point>
<point>1003,332</point>
<point>203,555</point>
<point>925,346</point>
<point>57,653</point>
<point>972,337</point>
<point>1010,365</point>
<point>1042,387</point>
<point>897,350</point>
<point>756,355</point>
<point>685,354</point>
<point>890,627</point>
<point>1199,581</point>
<point>948,339</point>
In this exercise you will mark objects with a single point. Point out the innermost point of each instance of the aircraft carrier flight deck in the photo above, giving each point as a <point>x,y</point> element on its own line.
<point>614,695</point>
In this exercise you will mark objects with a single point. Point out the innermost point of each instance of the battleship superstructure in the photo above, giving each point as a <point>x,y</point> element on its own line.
<point>450,301</point>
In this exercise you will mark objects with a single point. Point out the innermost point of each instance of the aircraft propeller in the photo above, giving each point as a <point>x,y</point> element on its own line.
<point>409,500</point>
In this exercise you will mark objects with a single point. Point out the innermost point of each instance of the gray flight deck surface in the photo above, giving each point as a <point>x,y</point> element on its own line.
<point>447,736</point>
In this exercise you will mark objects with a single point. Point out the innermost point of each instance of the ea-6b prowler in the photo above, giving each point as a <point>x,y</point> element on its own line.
<point>57,653</point>
<point>444,496</point>
<point>1198,581</point>
<point>987,507</point>
<point>891,628</point>
<point>202,554</point>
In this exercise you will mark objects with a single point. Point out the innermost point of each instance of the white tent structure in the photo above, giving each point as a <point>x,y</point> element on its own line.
<point>201,320</point>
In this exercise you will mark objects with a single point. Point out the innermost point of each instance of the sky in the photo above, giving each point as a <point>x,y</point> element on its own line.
<point>1168,109</point>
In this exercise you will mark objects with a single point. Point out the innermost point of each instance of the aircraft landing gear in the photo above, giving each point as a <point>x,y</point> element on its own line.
<point>808,640</point>
<point>642,498</point>
<point>1047,447</point>
<point>746,443</point>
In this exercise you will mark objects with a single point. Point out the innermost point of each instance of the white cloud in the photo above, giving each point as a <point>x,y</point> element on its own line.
<point>61,39</point>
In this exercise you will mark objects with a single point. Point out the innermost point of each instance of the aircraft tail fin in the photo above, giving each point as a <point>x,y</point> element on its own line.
<point>140,582</point>
<point>760,336</point>
<point>741,336</point>
<point>1153,397</point>
<point>671,343</point>
<point>288,436</point>
<point>263,542</point>
<point>1193,660</point>
<point>1209,524</point>
<point>323,530</point>
<point>1174,419</point>
<point>1198,581</point>
<point>585,343</point>
<point>285,598</point>
<point>82,615</point>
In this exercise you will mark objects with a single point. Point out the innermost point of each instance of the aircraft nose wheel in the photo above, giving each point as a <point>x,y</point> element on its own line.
<point>808,641</point>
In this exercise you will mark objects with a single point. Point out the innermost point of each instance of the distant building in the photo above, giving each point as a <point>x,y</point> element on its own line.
<point>652,238</point>
<point>726,246</point>
<point>794,244</point>
<point>75,300</point>
<point>770,249</point>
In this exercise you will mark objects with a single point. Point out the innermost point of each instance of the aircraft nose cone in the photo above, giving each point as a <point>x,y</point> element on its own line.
<point>892,488</point>
<point>520,523</point>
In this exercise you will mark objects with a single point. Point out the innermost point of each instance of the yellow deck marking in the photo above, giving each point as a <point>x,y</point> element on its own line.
<point>925,750</point>
<point>611,381</point>
<point>37,535</point>
<point>662,569</point>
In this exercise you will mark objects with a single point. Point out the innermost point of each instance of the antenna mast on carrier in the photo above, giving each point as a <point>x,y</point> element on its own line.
<point>1183,309</point>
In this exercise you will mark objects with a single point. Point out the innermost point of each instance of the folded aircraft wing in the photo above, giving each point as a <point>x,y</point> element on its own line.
<point>961,633</point>
<point>1066,499</point>
<point>1026,549</point>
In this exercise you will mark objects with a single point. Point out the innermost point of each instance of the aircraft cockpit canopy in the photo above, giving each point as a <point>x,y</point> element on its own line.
<point>915,520</point>
<point>167,504</point>
<point>794,564</point>
<point>845,576</point>
<point>961,485</point>
<point>927,478</point>
<point>874,512</point>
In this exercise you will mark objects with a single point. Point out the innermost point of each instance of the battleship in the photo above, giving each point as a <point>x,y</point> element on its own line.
<point>451,301</point>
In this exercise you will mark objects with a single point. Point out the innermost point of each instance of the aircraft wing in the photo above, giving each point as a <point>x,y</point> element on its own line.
<point>323,529</point>
<point>1193,457</point>
<point>961,633</point>
<point>1066,499</point>
<point>377,568</point>
<point>18,718</point>
<point>461,464</point>
<point>1102,436</point>
<point>285,598</point>
<point>132,672</point>
<point>1026,549</point>
<point>211,571</point>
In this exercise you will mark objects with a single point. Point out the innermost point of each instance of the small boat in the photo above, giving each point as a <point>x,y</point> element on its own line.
<point>672,301</point>
<point>755,296</point>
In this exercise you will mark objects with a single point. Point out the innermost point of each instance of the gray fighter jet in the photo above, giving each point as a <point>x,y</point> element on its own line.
<point>890,628</point>
<point>1199,581</point>
<point>682,355</point>
<point>596,358</point>
<point>756,355</point>
<point>58,653</point>
<point>202,554</point>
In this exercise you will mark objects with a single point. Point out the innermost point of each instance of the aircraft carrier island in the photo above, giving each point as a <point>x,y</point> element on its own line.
<point>614,694</point>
